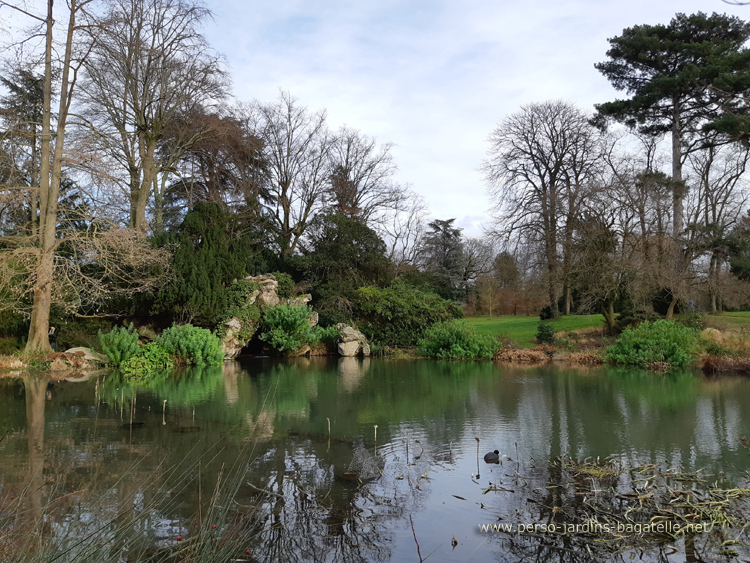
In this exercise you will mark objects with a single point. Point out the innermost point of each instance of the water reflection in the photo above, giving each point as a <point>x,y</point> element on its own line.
<point>110,443</point>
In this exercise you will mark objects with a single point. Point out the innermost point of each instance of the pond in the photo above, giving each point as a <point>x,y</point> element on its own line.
<point>358,460</point>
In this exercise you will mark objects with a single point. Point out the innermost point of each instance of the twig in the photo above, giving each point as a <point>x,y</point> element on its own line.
<point>415,539</point>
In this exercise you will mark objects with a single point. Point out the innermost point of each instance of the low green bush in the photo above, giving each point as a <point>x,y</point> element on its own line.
<point>120,344</point>
<point>456,341</point>
<point>400,314</point>
<point>660,341</point>
<point>545,332</point>
<point>693,320</point>
<point>151,359</point>
<point>634,317</point>
<point>285,328</point>
<point>196,346</point>
<point>328,337</point>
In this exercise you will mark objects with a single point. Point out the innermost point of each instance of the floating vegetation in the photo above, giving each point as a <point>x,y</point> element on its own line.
<point>603,508</point>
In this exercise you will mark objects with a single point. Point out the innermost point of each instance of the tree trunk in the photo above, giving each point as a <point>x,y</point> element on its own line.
<point>670,311</point>
<point>678,193</point>
<point>49,187</point>
<point>712,277</point>
<point>608,312</point>
<point>551,251</point>
<point>38,340</point>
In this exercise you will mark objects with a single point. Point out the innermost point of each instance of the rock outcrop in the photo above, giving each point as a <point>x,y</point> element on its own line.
<point>352,342</point>
<point>232,343</point>
<point>300,301</point>
<point>263,296</point>
<point>267,286</point>
<point>88,354</point>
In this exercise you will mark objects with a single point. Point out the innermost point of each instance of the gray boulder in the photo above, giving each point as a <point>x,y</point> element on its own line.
<point>88,354</point>
<point>352,342</point>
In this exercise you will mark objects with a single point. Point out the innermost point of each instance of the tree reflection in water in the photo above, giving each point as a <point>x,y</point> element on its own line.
<point>316,513</point>
<point>291,428</point>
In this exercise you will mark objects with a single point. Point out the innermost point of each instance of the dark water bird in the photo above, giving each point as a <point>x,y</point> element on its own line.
<point>492,457</point>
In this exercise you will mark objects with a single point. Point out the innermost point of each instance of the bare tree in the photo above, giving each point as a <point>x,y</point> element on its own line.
<point>715,206</point>
<point>41,247</point>
<point>402,230</point>
<point>217,159</point>
<point>34,272</point>
<point>149,63</point>
<point>296,146</point>
<point>540,167</point>
<point>361,177</point>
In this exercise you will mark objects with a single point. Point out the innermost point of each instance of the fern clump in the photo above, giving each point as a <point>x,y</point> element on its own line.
<point>120,344</point>
<point>195,346</point>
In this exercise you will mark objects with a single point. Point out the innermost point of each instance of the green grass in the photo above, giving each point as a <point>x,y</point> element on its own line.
<point>737,321</point>
<point>523,329</point>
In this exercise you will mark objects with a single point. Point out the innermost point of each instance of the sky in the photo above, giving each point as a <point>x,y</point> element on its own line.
<point>434,77</point>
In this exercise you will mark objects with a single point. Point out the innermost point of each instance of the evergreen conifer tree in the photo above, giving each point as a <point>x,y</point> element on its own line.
<point>211,253</point>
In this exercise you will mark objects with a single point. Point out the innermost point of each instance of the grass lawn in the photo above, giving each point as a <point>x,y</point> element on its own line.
<point>523,329</point>
<point>738,321</point>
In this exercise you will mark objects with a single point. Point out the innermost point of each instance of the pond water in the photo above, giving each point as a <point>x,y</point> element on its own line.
<point>310,433</point>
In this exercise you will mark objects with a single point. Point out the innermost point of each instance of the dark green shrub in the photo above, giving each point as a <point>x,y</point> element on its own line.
<point>151,359</point>
<point>454,340</point>
<point>13,324</point>
<point>344,254</point>
<point>286,285</point>
<point>9,345</point>
<point>83,332</point>
<point>285,328</point>
<point>120,344</point>
<point>692,320</point>
<point>400,314</point>
<point>545,332</point>
<point>212,250</point>
<point>660,341</point>
<point>334,310</point>
<point>634,317</point>
<point>546,313</point>
<point>195,346</point>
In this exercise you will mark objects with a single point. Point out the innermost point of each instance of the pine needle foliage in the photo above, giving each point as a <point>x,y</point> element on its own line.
<point>211,252</point>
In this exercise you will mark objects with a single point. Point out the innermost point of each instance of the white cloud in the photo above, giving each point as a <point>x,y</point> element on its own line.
<point>432,76</point>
